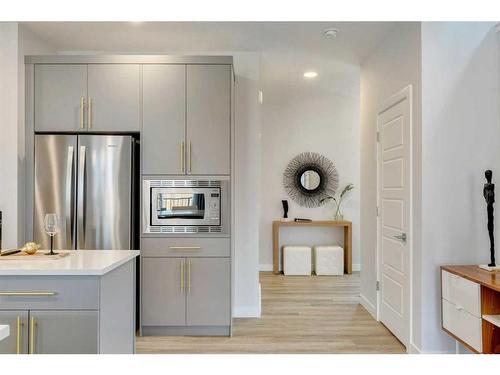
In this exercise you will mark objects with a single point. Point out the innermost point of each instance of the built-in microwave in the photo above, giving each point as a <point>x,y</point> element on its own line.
<point>199,205</point>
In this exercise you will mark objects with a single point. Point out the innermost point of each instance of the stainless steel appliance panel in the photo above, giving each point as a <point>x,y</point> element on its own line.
<point>104,192</point>
<point>55,187</point>
<point>176,206</point>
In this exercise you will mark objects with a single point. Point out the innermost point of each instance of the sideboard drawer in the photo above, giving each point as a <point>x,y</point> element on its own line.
<point>463,325</point>
<point>462,293</point>
<point>191,247</point>
<point>49,292</point>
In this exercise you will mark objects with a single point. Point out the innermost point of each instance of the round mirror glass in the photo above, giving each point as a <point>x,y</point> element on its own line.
<point>310,180</point>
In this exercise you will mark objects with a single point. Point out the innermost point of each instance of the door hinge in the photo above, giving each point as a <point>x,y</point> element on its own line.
<point>377,285</point>
<point>378,136</point>
<point>378,210</point>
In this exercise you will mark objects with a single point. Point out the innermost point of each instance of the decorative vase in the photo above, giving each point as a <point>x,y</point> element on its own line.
<point>339,217</point>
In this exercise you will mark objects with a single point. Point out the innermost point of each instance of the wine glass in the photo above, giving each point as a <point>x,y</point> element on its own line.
<point>51,223</point>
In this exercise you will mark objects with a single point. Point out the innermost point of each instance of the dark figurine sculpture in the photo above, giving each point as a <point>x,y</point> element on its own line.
<point>285,208</point>
<point>489,196</point>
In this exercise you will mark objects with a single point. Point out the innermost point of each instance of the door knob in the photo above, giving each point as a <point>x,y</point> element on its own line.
<point>401,237</point>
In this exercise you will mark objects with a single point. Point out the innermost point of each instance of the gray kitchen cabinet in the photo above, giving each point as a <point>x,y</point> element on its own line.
<point>208,129</point>
<point>164,118</point>
<point>17,342</point>
<point>186,296</point>
<point>71,313</point>
<point>60,95</point>
<point>208,295</point>
<point>114,97</point>
<point>63,332</point>
<point>163,296</point>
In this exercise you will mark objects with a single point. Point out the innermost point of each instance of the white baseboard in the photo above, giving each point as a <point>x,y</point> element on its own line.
<point>370,307</point>
<point>249,311</point>
<point>413,349</point>
<point>269,267</point>
<point>265,267</point>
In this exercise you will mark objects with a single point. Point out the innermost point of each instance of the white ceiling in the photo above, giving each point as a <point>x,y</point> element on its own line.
<point>287,48</point>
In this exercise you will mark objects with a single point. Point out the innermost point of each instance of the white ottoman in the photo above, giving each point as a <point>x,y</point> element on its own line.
<point>329,260</point>
<point>296,260</point>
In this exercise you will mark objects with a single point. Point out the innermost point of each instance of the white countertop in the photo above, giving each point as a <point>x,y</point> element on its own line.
<point>79,262</point>
<point>4,332</point>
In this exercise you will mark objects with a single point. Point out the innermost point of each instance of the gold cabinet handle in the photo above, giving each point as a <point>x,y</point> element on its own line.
<point>184,247</point>
<point>82,106</point>
<point>190,152</point>
<point>89,113</point>
<point>32,334</point>
<point>18,343</point>
<point>182,275</point>
<point>189,276</point>
<point>182,157</point>
<point>27,294</point>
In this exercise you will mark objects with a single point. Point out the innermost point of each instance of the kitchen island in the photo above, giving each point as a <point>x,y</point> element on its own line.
<point>82,303</point>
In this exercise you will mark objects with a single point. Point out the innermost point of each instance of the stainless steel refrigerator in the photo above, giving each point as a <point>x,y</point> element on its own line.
<point>87,181</point>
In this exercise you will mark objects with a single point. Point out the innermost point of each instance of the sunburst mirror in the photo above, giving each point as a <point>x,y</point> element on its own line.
<point>309,178</point>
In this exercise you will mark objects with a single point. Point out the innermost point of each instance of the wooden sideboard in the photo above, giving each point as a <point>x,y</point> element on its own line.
<point>470,308</point>
<point>346,225</point>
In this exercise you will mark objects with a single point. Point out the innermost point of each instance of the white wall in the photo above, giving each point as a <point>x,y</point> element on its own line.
<point>306,116</point>
<point>393,65</point>
<point>9,132</point>
<point>15,42</point>
<point>461,139</point>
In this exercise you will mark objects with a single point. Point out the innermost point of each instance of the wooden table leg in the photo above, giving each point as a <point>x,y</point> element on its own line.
<point>348,248</point>
<point>276,248</point>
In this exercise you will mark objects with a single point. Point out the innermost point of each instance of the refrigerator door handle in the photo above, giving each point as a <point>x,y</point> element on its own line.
<point>69,197</point>
<point>81,198</point>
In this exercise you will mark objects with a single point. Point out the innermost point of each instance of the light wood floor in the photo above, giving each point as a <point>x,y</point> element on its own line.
<point>300,314</point>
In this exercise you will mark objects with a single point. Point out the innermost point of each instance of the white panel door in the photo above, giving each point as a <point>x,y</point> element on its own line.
<point>394,200</point>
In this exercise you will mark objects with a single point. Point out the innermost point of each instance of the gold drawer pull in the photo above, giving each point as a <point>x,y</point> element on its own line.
<point>182,275</point>
<point>189,275</point>
<point>27,294</point>
<point>32,335</point>
<point>18,343</point>
<point>82,106</point>
<point>184,247</point>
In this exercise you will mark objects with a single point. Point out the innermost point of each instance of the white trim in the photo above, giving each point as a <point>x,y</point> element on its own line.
<point>413,349</point>
<point>370,307</point>
<point>405,93</point>
<point>265,267</point>
<point>249,311</point>
<point>356,267</point>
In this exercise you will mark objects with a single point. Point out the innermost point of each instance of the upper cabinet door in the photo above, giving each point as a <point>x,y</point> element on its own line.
<point>60,92</point>
<point>208,119</point>
<point>164,119</point>
<point>114,97</point>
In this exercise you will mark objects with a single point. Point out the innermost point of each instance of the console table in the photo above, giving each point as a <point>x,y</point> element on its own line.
<point>347,225</point>
<point>471,307</point>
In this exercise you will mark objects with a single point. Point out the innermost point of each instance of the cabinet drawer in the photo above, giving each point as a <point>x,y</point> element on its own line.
<point>185,247</point>
<point>462,324</point>
<point>49,292</point>
<point>462,292</point>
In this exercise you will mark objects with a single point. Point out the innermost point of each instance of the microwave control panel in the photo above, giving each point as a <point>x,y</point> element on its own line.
<point>214,204</point>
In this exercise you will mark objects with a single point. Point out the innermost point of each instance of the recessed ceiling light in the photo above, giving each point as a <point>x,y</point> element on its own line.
<point>310,74</point>
<point>331,33</point>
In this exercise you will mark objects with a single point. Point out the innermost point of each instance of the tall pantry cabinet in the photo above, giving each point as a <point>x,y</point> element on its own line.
<point>187,114</point>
